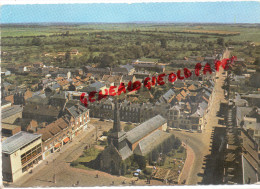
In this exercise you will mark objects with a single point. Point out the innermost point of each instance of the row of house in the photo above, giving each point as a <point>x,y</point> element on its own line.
<point>22,150</point>
<point>183,107</point>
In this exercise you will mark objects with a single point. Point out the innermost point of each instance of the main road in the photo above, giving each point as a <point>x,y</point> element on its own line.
<point>200,142</point>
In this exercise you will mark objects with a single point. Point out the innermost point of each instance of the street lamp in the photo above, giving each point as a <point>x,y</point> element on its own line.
<point>54,176</point>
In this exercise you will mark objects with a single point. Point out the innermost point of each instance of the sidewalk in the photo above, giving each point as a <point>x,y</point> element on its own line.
<point>186,170</point>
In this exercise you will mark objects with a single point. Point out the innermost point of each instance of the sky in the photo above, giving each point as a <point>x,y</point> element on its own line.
<point>199,12</point>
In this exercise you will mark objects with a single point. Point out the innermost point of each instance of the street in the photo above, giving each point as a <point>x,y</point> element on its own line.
<point>200,142</point>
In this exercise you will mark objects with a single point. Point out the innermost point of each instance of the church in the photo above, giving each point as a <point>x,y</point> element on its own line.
<point>141,140</point>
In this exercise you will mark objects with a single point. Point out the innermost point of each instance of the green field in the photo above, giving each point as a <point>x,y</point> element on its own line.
<point>113,44</point>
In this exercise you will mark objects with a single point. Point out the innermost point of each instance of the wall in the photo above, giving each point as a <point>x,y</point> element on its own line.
<point>6,167</point>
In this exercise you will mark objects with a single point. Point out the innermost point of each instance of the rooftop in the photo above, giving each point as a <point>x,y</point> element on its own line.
<point>9,111</point>
<point>9,126</point>
<point>17,141</point>
<point>53,128</point>
<point>147,144</point>
<point>145,128</point>
<point>77,110</point>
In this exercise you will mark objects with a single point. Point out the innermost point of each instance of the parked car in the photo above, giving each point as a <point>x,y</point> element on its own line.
<point>137,172</point>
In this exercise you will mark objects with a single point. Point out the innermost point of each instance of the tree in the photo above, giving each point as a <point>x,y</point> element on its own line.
<point>67,57</point>
<point>123,168</point>
<point>177,143</point>
<point>238,70</point>
<point>128,128</point>
<point>107,60</point>
<point>36,41</point>
<point>220,41</point>
<point>155,155</point>
<point>257,61</point>
<point>141,161</point>
<point>74,163</point>
<point>163,43</point>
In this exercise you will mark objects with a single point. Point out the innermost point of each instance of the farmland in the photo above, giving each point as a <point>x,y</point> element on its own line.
<point>122,42</point>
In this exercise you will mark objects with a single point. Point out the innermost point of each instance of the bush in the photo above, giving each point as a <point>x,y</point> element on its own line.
<point>103,143</point>
<point>177,143</point>
<point>123,168</point>
<point>128,128</point>
<point>105,133</point>
<point>141,176</point>
<point>181,150</point>
<point>147,171</point>
<point>74,163</point>
<point>141,161</point>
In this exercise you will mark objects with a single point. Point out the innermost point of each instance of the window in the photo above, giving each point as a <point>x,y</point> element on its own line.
<point>27,156</point>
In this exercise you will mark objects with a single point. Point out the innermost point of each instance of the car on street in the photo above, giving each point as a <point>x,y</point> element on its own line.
<point>190,131</point>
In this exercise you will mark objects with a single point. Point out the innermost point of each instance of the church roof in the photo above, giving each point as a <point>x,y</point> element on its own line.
<point>147,144</point>
<point>145,128</point>
<point>125,152</point>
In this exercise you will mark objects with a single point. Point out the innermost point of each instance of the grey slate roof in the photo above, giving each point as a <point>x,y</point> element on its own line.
<point>61,95</point>
<point>207,94</point>
<point>96,85</point>
<point>241,112</point>
<point>128,67</point>
<point>77,110</point>
<point>125,152</point>
<point>9,111</point>
<point>251,96</point>
<point>119,69</point>
<point>17,141</point>
<point>201,109</point>
<point>4,102</point>
<point>150,142</point>
<point>38,99</point>
<point>168,94</point>
<point>249,173</point>
<point>127,77</point>
<point>145,128</point>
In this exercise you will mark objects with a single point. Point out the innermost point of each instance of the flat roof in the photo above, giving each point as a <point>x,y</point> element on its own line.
<point>9,126</point>
<point>17,141</point>
<point>9,111</point>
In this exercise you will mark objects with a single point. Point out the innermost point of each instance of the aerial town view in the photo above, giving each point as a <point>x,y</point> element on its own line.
<point>140,94</point>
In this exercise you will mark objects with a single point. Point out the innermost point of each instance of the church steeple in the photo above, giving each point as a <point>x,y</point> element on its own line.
<point>118,136</point>
<point>116,126</point>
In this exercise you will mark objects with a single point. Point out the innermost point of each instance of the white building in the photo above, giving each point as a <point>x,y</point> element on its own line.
<point>20,152</point>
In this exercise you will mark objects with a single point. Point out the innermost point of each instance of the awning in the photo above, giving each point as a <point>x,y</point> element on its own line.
<point>66,139</point>
<point>57,145</point>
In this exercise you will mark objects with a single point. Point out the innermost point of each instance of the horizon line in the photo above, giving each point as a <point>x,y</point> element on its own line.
<point>132,22</point>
